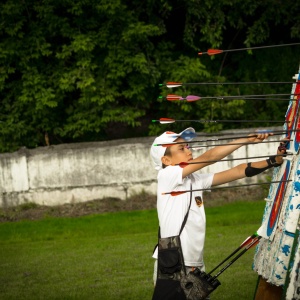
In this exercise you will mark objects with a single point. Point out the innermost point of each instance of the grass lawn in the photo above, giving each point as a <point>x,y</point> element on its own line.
<point>108,256</point>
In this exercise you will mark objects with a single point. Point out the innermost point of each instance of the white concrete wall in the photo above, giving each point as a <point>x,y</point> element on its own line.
<point>87,171</point>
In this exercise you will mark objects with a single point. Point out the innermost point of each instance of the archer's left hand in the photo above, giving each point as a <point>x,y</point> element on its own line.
<point>282,151</point>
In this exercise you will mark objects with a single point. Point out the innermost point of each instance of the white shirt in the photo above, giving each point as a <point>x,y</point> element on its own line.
<point>172,210</point>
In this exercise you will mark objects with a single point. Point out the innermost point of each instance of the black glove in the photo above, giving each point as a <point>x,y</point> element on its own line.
<point>283,146</point>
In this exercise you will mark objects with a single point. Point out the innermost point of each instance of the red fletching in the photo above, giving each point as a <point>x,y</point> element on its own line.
<point>248,240</point>
<point>183,164</point>
<point>214,51</point>
<point>177,193</point>
<point>172,97</point>
<point>211,52</point>
<point>173,84</point>
<point>253,242</point>
<point>166,120</point>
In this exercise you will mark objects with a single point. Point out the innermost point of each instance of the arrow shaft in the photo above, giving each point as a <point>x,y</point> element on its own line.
<point>223,139</point>
<point>258,131</point>
<point>175,84</point>
<point>233,253</point>
<point>237,257</point>
<point>223,121</point>
<point>226,187</point>
<point>248,97</point>
<point>217,145</point>
<point>275,99</point>
<point>261,47</point>
<point>220,139</point>
<point>232,159</point>
<point>248,48</point>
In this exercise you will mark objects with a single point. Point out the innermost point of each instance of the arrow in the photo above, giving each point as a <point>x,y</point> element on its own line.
<point>192,98</point>
<point>256,131</point>
<point>218,51</point>
<point>221,139</point>
<point>178,84</point>
<point>177,193</point>
<point>216,145</point>
<point>169,120</point>
<point>249,240</point>
<point>252,243</point>
<point>188,135</point>
<point>189,98</point>
<point>184,164</point>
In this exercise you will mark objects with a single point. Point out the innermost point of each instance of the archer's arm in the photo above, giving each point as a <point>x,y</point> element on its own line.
<point>217,153</point>
<point>250,169</point>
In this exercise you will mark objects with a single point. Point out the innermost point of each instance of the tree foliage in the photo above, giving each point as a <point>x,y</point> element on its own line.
<point>89,70</point>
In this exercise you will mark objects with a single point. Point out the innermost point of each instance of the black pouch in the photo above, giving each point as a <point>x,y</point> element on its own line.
<point>170,259</point>
<point>170,268</point>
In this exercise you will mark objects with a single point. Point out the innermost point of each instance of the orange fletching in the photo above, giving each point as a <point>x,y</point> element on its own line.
<point>253,242</point>
<point>173,83</point>
<point>166,120</point>
<point>214,51</point>
<point>172,97</point>
<point>183,164</point>
<point>211,52</point>
<point>177,193</point>
<point>247,241</point>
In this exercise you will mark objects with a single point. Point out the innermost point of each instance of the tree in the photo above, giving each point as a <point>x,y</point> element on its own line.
<point>89,70</point>
<point>239,24</point>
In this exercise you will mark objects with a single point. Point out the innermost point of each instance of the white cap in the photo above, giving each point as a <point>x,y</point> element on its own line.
<point>168,137</point>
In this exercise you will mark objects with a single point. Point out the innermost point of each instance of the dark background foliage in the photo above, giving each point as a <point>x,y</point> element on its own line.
<point>87,70</point>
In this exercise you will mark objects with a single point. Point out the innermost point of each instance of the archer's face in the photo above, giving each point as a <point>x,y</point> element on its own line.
<point>179,153</point>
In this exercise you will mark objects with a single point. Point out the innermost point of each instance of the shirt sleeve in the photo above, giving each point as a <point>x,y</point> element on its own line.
<point>203,181</point>
<point>169,179</point>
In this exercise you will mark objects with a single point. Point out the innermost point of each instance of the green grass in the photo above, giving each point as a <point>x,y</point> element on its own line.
<point>108,256</point>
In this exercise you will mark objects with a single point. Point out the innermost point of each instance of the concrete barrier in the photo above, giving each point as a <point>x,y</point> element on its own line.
<point>70,173</point>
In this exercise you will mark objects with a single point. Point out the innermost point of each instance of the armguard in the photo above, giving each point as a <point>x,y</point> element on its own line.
<point>250,171</point>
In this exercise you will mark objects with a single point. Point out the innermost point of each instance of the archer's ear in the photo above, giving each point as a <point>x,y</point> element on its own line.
<point>166,160</point>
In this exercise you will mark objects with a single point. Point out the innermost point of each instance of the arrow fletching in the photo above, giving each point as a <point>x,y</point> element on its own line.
<point>248,240</point>
<point>183,164</point>
<point>211,52</point>
<point>173,84</point>
<point>253,242</point>
<point>175,193</point>
<point>172,97</point>
<point>164,121</point>
<point>192,98</point>
<point>189,98</point>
